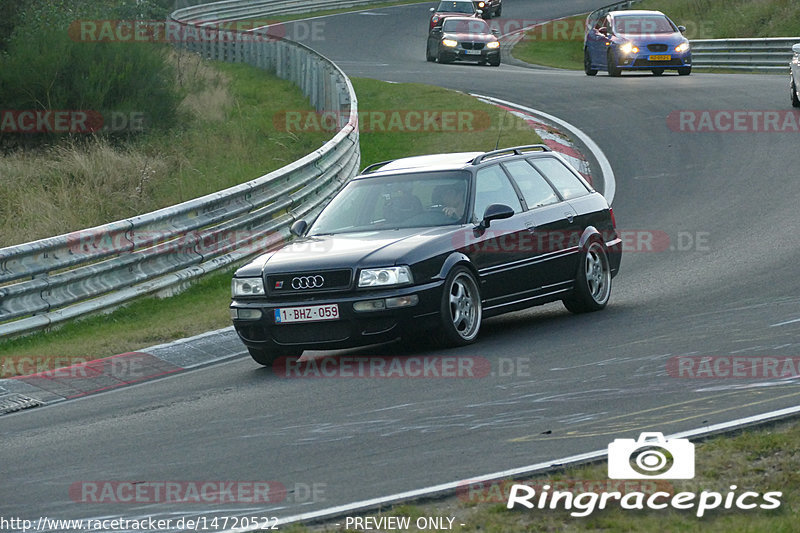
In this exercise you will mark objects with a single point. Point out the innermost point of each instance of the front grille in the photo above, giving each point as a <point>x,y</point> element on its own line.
<point>657,47</point>
<point>311,332</point>
<point>472,46</point>
<point>299,283</point>
<point>674,62</point>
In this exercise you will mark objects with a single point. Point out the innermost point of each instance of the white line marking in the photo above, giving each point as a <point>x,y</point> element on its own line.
<point>610,184</point>
<point>784,323</point>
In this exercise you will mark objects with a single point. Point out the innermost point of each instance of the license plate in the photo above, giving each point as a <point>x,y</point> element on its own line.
<point>660,58</point>
<point>472,52</point>
<point>312,313</point>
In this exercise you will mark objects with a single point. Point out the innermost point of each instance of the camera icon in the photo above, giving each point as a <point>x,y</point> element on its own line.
<point>651,457</point>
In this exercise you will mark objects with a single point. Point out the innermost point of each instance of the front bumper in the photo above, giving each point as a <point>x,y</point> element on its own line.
<point>460,54</point>
<point>645,60</point>
<point>352,328</point>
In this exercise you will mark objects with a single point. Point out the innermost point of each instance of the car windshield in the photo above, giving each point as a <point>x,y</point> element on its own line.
<point>643,25</point>
<point>456,7</point>
<point>391,202</point>
<point>475,27</point>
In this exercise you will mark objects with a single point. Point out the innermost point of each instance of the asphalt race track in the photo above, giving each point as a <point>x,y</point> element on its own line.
<point>721,205</point>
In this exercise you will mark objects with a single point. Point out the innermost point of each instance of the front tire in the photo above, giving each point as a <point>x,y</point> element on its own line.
<point>658,71</point>
<point>592,281</point>
<point>684,71</point>
<point>428,56</point>
<point>495,62</point>
<point>461,311</point>
<point>613,69</point>
<point>267,357</point>
<point>587,63</point>
<point>442,58</point>
<point>795,100</point>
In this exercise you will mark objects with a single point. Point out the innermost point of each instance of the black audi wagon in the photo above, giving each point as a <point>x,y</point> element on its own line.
<point>427,247</point>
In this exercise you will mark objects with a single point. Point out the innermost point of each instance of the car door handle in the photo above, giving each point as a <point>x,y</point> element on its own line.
<point>531,226</point>
<point>570,217</point>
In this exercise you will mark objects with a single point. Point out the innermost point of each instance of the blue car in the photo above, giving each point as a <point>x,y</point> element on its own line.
<point>635,40</point>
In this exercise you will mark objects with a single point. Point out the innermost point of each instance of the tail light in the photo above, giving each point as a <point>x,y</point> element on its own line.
<point>613,219</point>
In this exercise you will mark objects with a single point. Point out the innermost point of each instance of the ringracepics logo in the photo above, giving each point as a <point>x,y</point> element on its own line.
<point>652,457</point>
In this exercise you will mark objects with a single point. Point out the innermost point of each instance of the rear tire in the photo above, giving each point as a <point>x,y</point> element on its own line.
<point>684,71</point>
<point>592,281</point>
<point>795,100</point>
<point>613,69</point>
<point>461,311</point>
<point>587,63</point>
<point>267,357</point>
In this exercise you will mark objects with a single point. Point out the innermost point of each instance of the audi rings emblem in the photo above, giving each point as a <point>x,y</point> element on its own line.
<point>307,282</point>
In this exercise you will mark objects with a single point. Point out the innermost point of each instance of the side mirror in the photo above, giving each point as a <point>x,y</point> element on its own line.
<point>432,10</point>
<point>298,228</point>
<point>479,12</point>
<point>495,32</point>
<point>495,212</point>
<point>436,31</point>
<point>603,31</point>
<point>796,48</point>
<point>682,29</point>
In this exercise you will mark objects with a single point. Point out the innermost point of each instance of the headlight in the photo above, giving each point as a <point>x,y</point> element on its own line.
<point>493,45</point>
<point>247,287</point>
<point>384,277</point>
<point>481,4</point>
<point>683,47</point>
<point>450,43</point>
<point>629,48</point>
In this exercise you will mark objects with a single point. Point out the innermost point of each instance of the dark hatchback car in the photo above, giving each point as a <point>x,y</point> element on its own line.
<point>489,8</point>
<point>427,247</point>
<point>463,39</point>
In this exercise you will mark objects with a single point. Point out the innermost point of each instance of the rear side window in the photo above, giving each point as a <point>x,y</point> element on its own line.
<point>493,187</point>
<point>565,182</point>
<point>536,191</point>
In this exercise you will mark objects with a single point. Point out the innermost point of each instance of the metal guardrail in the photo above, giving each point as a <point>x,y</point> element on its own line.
<point>55,279</point>
<point>770,54</point>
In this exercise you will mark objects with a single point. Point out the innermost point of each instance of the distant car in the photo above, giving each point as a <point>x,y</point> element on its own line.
<point>426,247</point>
<point>636,40</point>
<point>795,77</point>
<point>463,39</point>
<point>453,8</point>
<point>489,8</point>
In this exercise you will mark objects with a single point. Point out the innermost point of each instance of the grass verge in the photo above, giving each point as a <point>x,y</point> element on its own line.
<point>204,306</point>
<point>759,460</point>
<point>560,43</point>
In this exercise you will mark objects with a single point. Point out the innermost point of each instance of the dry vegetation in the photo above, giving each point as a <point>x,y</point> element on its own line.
<point>82,182</point>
